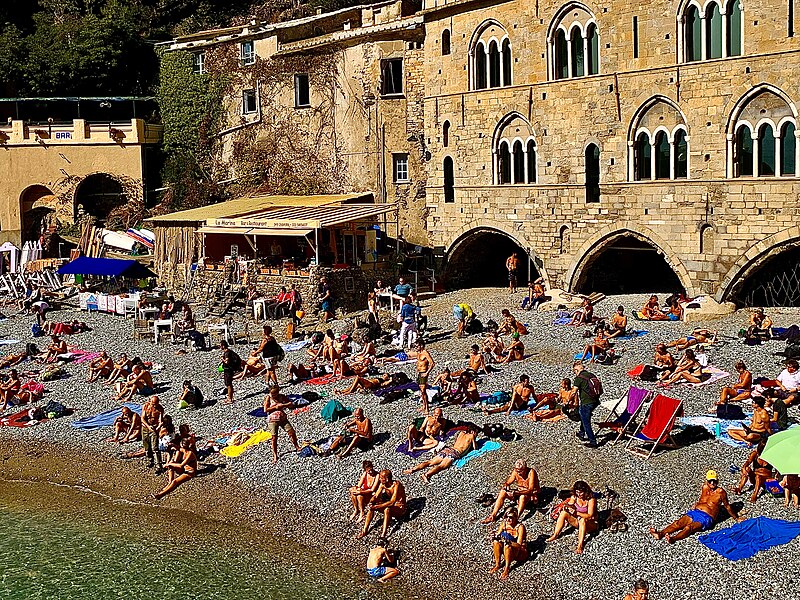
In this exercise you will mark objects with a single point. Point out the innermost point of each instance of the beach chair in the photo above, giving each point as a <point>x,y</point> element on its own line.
<point>655,429</point>
<point>143,329</point>
<point>621,412</point>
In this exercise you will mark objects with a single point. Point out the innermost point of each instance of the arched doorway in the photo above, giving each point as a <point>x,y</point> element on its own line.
<point>34,221</point>
<point>478,259</point>
<point>775,282</point>
<point>626,265</point>
<point>98,195</point>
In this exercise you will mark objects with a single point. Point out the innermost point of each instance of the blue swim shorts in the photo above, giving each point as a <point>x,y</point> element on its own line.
<point>704,519</point>
<point>377,572</point>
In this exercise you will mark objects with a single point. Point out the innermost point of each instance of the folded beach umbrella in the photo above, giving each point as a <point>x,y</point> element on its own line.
<point>783,451</point>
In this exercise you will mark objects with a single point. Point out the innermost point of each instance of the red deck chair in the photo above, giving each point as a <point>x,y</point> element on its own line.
<point>655,428</point>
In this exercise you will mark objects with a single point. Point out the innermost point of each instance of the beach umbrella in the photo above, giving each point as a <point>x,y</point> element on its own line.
<point>783,451</point>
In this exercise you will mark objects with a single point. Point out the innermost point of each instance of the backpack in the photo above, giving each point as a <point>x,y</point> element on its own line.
<point>400,378</point>
<point>333,411</point>
<point>36,330</point>
<point>595,387</point>
<point>54,409</point>
<point>234,361</point>
<point>311,396</point>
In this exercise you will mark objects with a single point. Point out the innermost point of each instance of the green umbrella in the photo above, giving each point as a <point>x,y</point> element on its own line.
<point>783,451</point>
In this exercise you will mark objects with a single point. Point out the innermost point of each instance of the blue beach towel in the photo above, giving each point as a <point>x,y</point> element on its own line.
<point>562,321</point>
<point>298,345</point>
<point>750,537</point>
<point>104,419</point>
<point>634,333</point>
<point>484,446</point>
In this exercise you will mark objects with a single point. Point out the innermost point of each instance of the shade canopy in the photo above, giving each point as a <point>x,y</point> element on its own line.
<point>106,267</point>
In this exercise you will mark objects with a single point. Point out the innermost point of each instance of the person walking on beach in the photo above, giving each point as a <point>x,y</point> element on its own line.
<point>271,353</point>
<point>231,365</point>
<point>512,264</point>
<point>589,391</point>
<point>152,417</point>
<point>425,364</point>
<point>325,299</point>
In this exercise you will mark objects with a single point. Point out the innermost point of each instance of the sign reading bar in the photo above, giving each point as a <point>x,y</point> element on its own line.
<point>265,223</point>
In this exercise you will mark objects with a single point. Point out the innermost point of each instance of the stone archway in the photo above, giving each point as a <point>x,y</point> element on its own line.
<point>98,195</point>
<point>627,259</point>
<point>35,211</point>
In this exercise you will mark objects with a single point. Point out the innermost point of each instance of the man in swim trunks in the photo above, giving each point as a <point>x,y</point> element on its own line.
<point>760,325</point>
<point>425,364</point>
<point>274,406</point>
<point>381,562</point>
<point>476,363</point>
<point>427,436</point>
<point>522,485</point>
<point>759,428</point>
<point>618,324</point>
<point>703,514</point>
<point>465,442</point>
<point>515,350</point>
<point>127,427</point>
<point>698,336</point>
<point>56,348</point>
<point>152,417</point>
<point>139,381</point>
<point>389,499</point>
<point>100,367</point>
<point>512,264</point>
<point>522,393</point>
<point>358,431</point>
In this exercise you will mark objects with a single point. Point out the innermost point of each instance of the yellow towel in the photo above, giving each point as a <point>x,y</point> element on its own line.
<point>257,437</point>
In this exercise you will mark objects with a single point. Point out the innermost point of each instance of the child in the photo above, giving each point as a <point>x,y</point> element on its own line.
<point>379,562</point>
<point>791,489</point>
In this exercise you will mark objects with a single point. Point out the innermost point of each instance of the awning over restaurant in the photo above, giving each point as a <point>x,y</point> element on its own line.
<point>302,217</point>
<point>255,231</point>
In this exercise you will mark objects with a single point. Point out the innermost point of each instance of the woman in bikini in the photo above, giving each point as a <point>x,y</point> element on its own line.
<point>584,315</point>
<point>428,435</point>
<point>361,494</point>
<point>688,369</point>
<point>509,543</point>
<point>698,336</point>
<point>251,367</point>
<point>566,399</point>
<point>599,346</point>
<point>367,383</point>
<point>580,512</point>
<point>516,350</point>
<point>741,389</point>
<point>181,470</point>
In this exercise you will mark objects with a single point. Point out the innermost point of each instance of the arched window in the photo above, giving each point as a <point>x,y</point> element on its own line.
<point>562,55</point>
<point>506,62</point>
<point>531,161</point>
<point>766,150</point>
<point>693,36</point>
<point>706,239</point>
<point>734,16</point>
<point>593,46</point>
<point>576,45</point>
<point>480,66</point>
<point>445,42</point>
<point>494,65</point>
<point>504,166</point>
<point>662,150</point>
<point>744,152</point>
<point>642,157</point>
<point>714,33</point>
<point>449,180</point>
<point>563,239</point>
<point>446,134</point>
<point>573,43</point>
<point>592,163</point>
<point>681,155</point>
<point>788,145</point>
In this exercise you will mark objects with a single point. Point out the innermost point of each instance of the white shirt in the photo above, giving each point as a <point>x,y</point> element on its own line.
<point>790,381</point>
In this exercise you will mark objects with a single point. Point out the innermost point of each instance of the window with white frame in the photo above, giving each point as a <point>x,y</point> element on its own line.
<point>660,142</point>
<point>199,63</point>
<point>762,140</point>
<point>400,168</point>
<point>249,102</point>
<point>573,43</point>
<point>490,57</point>
<point>302,91</point>
<point>247,53</point>
<point>711,30</point>
<point>515,151</point>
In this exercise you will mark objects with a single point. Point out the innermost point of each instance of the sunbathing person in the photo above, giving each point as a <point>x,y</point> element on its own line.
<point>760,325</point>
<point>515,350</point>
<point>703,514</point>
<point>56,348</point>
<point>122,368</point>
<point>381,563</point>
<point>100,367</point>
<point>492,346</point>
<point>445,382</point>
<point>698,336</point>
<point>69,328</point>
<point>566,400</point>
<point>675,310</point>
<point>359,384</point>
<point>584,315</point>
<point>251,367</point>
<point>180,470</point>
<point>521,486</point>
<point>651,311</point>
<point>127,427</point>
<point>509,323</point>
<point>580,512</point>
<point>275,405</point>
<point>663,360</point>
<point>466,391</point>
<point>641,591</point>
<point>521,394</point>
<point>10,388</point>
<point>688,369</point>
<point>756,471</point>
<point>15,359</point>
<point>362,493</point>
<point>509,543</point>
<point>400,357</point>
<point>599,346</point>
<point>355,367</point>
<point>389,499</point>
<point>789,382</point>
<point>30,392</point>
<point>618,324</point>
<point>465,442</point>
<point>429,434</point>
<point>759,428</point>
<point>476,363</point>
<point>791,490</point>
<point>357,434</point>
<point>535,295</point>
<point>140,381</point>
<point>741,389</point>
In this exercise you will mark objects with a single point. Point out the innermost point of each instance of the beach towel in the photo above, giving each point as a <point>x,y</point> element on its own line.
<point>86,357</point>
<point>658,425</point>
<point>334,410</point>
<point>562,321</point>
<point>748,538</point>
<point>293,346</point>
<point>397,388</point>
<point>19,419</point>
<point>484,446</point>
<point>8,342</point>
<point>104,419</point>
<point>324,379</point>
<point>256,438</point>
<point>712,424</point>
<point>632,334</point>
<point>714,373</point>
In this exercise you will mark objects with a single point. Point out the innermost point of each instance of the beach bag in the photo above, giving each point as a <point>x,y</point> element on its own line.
<point>55,409</point>
<point>595,388</point>
<point>311,396</point>
<point>51,373</point>
<point>499,398</point>
<point>34,387</point>
<point>730,412</point>
<point>649,373</point>
<point>333,411</point>
<point>197,339</point>
<point>36,330</point>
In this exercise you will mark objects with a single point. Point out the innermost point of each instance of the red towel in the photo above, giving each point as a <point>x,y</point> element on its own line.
<point>661,417</point>
<point>15,420</point>
<point>636,371</point>
<point>325,379</point>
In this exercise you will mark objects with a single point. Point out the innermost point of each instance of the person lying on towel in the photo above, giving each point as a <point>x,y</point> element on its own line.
<point>465,442</point>
<point>698,336</point>
<point>703,514</point>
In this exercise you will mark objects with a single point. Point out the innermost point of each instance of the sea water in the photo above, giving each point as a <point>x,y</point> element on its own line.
<point>61,543</point>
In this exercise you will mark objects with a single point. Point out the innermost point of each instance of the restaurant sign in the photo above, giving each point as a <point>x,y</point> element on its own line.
<point>265,223</point>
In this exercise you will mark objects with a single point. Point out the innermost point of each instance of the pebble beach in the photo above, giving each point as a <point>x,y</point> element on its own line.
<point>445,549</point>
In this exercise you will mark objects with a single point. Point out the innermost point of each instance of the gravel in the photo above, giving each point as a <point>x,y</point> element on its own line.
<point>446,537</point>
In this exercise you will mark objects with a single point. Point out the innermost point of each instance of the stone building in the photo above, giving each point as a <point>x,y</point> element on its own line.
<point>620,146</point>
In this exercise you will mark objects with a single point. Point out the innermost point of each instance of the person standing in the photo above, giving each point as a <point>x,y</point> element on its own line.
<point>425,364</point>
<point>512,263</point>
<point>275,405</point>
<point>231,365</point>
<point>589,391</point>
<point>271,353</point>
<point>325,299</point>
<point>152,418</point>
<point>408,323</point>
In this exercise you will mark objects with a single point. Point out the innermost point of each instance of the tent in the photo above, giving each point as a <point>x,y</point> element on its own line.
<point>107,267</point>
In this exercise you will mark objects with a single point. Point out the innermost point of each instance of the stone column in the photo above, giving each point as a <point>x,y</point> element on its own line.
<point>703,37</point>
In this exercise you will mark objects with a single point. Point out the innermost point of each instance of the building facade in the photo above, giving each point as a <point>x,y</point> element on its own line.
<point>620,146</point>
